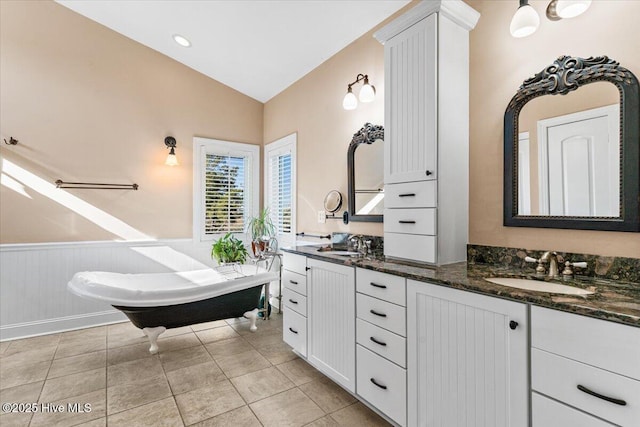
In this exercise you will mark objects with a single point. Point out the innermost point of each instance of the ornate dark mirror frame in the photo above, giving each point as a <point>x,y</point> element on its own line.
<point>368,134</point>
<point>563,76</point>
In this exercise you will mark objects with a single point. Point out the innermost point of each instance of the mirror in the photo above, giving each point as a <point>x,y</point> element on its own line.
<point>571,161</point>
<point>365,166</point>
<point>333,201</point>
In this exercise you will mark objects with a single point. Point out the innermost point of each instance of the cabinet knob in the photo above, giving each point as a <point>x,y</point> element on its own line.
<point>428,173</point>
<point>513,324</point>
<point>307,268</point>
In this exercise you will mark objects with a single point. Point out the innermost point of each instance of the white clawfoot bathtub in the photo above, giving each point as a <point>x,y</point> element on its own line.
<point>158,301</point>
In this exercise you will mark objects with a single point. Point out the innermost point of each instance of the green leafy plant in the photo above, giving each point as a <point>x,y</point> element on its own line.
<point>261,226</point>
<point>229,249</point>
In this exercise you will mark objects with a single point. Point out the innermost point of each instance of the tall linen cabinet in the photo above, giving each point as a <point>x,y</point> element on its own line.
<point>427,132</point>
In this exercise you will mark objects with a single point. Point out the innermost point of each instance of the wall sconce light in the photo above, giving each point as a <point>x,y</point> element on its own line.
<point>526,20</point>
<point>172,160</point>
<point>367,93</point>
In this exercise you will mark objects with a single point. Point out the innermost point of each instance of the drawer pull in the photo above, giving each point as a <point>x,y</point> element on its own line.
<point>293,330</point>
<point>377,314</point>
<point>407,195</point>
<point>292,301</point>
<point>293,282</point>
<point>402,221</point>
<point>384,344</point>
<point>375,285</point>
<point>513,325</point>
<point>384,387</point>
<point>601,396</point>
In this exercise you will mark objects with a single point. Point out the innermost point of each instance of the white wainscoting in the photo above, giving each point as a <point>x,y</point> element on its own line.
<point>33,280</point>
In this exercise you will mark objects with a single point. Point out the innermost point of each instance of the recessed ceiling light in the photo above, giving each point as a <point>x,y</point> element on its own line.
<point>182,41</point>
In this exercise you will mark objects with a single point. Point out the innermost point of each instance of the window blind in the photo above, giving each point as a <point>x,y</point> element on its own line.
<point>280,196</point>
<point>227,193</point>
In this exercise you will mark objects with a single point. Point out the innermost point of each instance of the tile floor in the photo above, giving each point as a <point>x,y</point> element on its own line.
<point>211,374</point>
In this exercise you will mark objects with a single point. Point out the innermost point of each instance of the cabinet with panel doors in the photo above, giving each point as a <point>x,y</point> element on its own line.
<point>426,142</point>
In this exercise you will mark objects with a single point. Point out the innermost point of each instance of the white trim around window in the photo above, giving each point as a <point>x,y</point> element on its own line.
<point>251,179</point>
<point>280,149</point>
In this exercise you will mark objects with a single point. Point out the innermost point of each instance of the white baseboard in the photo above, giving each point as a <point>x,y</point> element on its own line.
<point>60,324</point>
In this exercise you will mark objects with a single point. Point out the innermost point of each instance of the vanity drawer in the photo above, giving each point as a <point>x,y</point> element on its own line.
<point>415,247</point>
<point>294,281</point>
<point>294,331</point>
<point>549,413</point>
<point>382,384</point>
<point>382,342</point>
<point>382,285</point>
<point>294,301</point>
<point>421,194</point>
<point>384,314</point>
<point>559,378</point>
<point>587,340</point>
<point>294,262</point>
<point>413,221</point>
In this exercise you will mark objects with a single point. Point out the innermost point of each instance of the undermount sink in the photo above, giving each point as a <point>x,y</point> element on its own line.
<point>332,251</point>
<point>538,285</point>
<point>345,253</point>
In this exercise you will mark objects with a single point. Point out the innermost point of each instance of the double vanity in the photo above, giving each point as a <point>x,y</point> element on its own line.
<point>479,343</point>
<point>444,346</point>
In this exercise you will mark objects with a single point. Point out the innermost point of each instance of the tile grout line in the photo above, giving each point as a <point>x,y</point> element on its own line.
<point>173,396</point>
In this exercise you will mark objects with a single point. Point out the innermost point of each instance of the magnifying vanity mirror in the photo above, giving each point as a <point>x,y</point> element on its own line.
<point>572,161</point>
<point>333,201</point>
<point>365,176</point>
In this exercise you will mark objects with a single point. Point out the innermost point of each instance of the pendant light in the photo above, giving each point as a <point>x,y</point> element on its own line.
<point>571,8</point>
<point>525,21</point>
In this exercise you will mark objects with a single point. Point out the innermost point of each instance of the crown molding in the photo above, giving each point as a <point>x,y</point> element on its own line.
<point>456,10</point>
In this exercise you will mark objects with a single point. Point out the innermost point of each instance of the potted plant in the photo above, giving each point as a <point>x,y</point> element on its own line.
<point>229,249</point>
<point>262,230</point>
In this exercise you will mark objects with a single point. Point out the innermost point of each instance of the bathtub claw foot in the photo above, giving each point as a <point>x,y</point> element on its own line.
<point>153,334</point>
<point>252,316</point>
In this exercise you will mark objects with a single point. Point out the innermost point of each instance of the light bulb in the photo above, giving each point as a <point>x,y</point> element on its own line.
<point>367,93</point>
<point>524,22</point>
<point>350,102</point>
<point>571,8</point>
<point>172,160</point>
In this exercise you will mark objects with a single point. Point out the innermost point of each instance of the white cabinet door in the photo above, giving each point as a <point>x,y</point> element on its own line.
<point>331,321</point>
<point>466,366</point>
<point>410,104</point>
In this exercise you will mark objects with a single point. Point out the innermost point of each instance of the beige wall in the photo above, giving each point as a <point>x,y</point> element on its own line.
<point>312,107</point>
<point>99,106</point>
<point>88,104</point>
<point>499,64</point>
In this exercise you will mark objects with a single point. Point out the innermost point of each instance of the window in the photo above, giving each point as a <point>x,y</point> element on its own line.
<point>226,187</point>
<point>279,166</point>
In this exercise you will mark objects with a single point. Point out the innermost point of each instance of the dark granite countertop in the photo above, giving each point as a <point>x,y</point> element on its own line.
<point>615,301</point>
